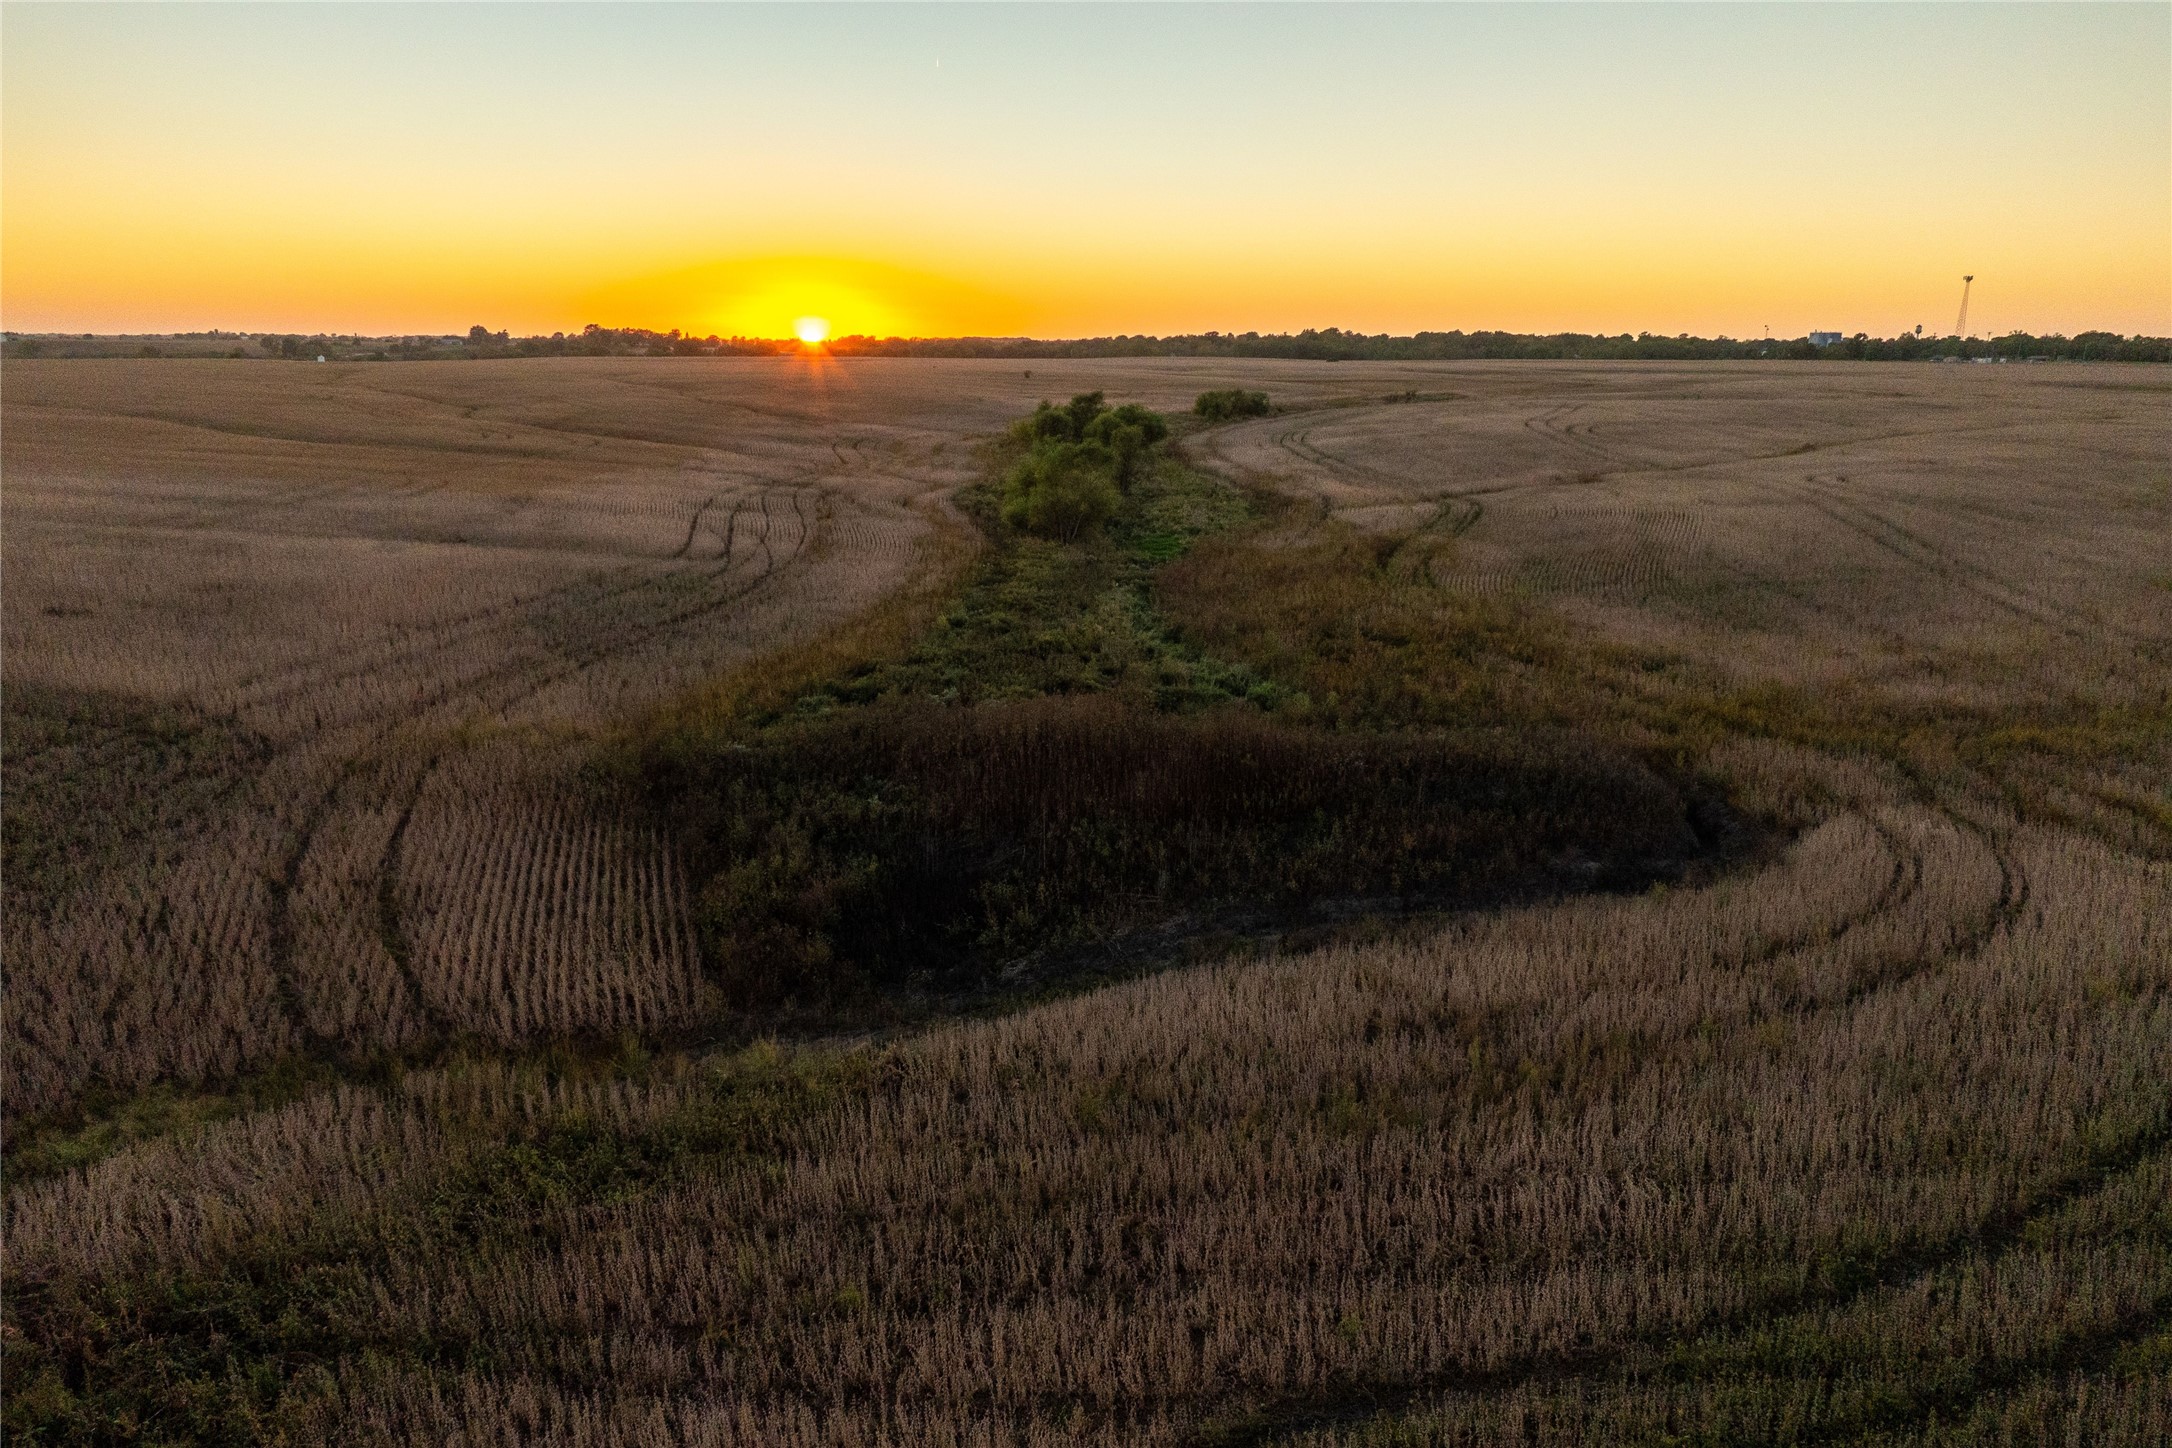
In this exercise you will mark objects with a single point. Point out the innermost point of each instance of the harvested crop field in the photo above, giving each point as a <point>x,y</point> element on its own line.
<point>369,1080</point>
<point>349,610</point>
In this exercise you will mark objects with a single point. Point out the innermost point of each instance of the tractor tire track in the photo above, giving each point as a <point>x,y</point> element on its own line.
<point>1994,1235</point>
<point>1991,1239</point>
<point>517,684</point>
<point>391,929</point>
<point>310,676</point>
<point>693,526</point>
<point>1821,495</point>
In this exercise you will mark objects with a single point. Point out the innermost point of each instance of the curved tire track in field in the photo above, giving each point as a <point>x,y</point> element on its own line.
<point>785,553</point>
<point>1822,494</point>
<point>284,927</point>
<point>1466,505</point>
<point>511,685</point>
<point>693,526</point>
<point>320,672</point>
<point>2151,825</point>
<point>392,930</point>
<point>1903,885</point>
<point>1279,1422</point>
<point>1553,426</point>
<point>1991,1237</point>
<point>527,687</point>
<point>311,673</point>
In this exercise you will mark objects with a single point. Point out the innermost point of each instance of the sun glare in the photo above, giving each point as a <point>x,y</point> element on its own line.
<point>812,330</point>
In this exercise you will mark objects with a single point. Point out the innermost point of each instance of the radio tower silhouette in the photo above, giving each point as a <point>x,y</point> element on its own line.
<point>1960,323</point>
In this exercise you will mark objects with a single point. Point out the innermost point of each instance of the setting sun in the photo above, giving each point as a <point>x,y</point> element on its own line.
<point>811,330</point>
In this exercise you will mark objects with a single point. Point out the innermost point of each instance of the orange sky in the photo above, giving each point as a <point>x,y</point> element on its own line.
<point>1064,171</point>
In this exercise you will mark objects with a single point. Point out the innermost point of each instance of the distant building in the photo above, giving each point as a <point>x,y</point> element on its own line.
<point>1824,339</point>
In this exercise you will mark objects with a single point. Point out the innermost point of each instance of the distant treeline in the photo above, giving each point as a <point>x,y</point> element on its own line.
<point>1335,345</point>
<point>1330,345</point>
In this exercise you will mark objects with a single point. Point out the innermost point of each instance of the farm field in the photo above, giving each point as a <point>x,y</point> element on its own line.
<point>320,628</point>
<point>368,1081</point>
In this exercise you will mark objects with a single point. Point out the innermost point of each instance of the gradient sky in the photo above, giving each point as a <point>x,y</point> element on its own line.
<point>1083,170</point>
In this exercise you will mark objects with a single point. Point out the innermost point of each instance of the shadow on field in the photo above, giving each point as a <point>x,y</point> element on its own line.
<point>940,848</point>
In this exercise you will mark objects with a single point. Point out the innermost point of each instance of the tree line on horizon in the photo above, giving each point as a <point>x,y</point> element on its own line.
<point>1335,345</point>
<point>1331,344</point>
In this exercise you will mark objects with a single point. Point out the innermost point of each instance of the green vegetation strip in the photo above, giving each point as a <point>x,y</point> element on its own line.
<point>104,1121</point>
<point>1052,769</point>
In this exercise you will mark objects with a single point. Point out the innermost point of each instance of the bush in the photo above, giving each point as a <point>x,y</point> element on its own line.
<point>1081,458</point>
<point>1082,410</point>
<point>1128,432</point>
<point>1062,489</point>
<point>1049,424</point>
<point>1231,404</point>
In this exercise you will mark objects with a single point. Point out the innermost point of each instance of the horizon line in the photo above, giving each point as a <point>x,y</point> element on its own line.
<point>504,336</point>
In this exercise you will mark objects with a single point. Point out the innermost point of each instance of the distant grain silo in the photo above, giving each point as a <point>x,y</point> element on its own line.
<point>1824,339</point>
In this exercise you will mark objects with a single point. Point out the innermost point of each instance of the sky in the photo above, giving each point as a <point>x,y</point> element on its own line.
<point>1086,170</point>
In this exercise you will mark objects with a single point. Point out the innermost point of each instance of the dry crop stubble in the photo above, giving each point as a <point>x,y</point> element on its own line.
<point>1892,1094</point>
<point>1765,519</point>
<point>358,568</point>
<point>1288,1188</point>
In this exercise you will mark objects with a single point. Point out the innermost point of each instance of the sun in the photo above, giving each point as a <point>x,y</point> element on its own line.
<point>812,330</point>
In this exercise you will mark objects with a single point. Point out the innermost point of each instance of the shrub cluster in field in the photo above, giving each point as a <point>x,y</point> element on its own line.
<point>1229,404</point>
<point>1080,460</point>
